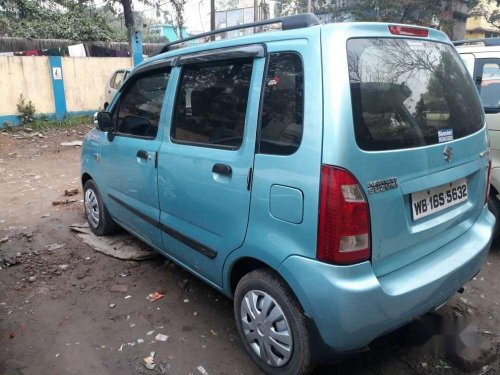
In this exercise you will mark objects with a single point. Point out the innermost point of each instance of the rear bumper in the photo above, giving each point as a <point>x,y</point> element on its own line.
<point>351,306</point>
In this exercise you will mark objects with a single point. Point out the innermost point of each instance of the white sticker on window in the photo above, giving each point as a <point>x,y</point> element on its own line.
<point>445,135</point>
<point>415,45</point>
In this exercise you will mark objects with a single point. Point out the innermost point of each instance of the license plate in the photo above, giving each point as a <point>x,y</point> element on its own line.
<point>427,202</point>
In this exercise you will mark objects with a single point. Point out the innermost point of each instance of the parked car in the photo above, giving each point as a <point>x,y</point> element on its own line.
<point>114,83</point>
<point>482,58</point>
<point>331,179</point>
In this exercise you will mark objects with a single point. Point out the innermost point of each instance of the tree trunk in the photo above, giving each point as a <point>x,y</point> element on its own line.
<point>128,15</point>
<point>212,15</point>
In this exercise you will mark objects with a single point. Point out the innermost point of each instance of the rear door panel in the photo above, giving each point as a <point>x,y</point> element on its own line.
<point>397,239</point>
<point>204,213</point>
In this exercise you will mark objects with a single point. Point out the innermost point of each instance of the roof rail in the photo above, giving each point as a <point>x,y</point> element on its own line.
<point>297,21</point>
<point>485,41</point>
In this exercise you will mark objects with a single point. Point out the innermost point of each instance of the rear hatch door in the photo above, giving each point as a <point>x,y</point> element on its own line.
<point>420,149</point>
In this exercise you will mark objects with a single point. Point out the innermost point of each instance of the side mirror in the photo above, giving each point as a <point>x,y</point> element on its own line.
<point>103,121</point>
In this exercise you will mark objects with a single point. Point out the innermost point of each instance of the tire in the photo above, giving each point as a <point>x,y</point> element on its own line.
<point>494,207</point>
<point>259,286</point>
<point>98,217</point>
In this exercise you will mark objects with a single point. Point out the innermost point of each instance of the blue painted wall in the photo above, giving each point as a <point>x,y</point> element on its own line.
<point>136,47</point>
<point>60,110</point>
<point>58,86</point>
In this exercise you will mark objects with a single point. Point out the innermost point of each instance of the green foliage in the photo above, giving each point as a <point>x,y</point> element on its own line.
<point>47,124</point>
<point>52,19</point>
<point>26,110</point>
<point>401,11</point>
<point>155,39</point>
<point>435,13</point>
<point>7,126</point>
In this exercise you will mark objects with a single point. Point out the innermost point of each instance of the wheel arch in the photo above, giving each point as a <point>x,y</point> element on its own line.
<point>240,268</point>
<point>86,177</point>
<point>243,265</point>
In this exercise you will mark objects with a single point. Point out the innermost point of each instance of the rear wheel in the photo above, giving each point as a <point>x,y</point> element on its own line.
<point>272,325</point>
<point>97,215</point>
<point>494,207</point>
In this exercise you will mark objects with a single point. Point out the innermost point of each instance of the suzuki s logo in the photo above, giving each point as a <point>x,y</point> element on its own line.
<point>448,153</point>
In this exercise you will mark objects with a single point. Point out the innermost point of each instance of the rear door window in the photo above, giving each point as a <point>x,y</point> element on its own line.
<point>409,93</point>
<point>212,103</point>
<point>487,77</point>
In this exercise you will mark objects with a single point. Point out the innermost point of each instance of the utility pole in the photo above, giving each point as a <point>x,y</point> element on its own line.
<point>212,15</point>
<point>255,10</point>
<point>309,6</point>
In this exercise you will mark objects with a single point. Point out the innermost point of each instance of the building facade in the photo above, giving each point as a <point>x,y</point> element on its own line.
<point>167,30</point>
<point>477,26</point>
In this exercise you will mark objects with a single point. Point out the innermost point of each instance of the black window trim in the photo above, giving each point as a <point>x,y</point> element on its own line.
<point>256,50</point>
<point>482,61</point>
<point>177,90</point>
<point>245,51</point>
<point>261,102</point>
<point>124,87</point>
<point>155,65</point>
<point>248,51</point>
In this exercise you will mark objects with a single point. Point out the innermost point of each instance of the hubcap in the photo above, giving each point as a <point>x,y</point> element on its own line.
<point>92,208</point>
<point>266,328</point>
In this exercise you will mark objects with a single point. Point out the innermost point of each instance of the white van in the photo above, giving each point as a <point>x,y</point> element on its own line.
<point>482,59</point>
<point>114,83</point>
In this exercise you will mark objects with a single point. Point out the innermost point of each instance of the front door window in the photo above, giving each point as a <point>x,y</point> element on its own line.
<point>138,113</point>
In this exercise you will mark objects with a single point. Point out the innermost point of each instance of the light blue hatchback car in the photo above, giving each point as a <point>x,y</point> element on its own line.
<point>331,179</point>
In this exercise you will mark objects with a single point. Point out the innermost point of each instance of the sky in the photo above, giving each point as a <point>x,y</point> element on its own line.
<point>196,13</point>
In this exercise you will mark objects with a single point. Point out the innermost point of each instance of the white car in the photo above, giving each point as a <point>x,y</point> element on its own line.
<point>114,83</point>
<point>482,59</point>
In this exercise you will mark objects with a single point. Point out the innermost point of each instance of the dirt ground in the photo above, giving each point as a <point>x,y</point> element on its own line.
<point>58,315</point>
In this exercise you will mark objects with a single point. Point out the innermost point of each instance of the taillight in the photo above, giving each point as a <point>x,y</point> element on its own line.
<point>344,218</point>
<point>408,30</point>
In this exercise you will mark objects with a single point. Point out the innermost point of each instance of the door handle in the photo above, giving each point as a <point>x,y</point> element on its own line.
<point>222,169</point>
<point>143,154</point>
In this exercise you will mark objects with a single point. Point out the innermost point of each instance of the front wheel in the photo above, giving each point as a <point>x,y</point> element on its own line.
<point>97,215</point>
<point>272,325</point>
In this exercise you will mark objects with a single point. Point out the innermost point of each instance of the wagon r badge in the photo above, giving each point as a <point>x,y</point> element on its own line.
<point>447,153</point>
<point>380,186</point>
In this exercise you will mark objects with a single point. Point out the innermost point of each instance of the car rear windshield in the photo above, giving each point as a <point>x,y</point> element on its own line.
<point>409,93</point>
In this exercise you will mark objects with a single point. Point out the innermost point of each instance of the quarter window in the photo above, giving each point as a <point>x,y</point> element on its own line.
<point>140,105</point>
<point>283,106</point>
<point>211,104</point>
